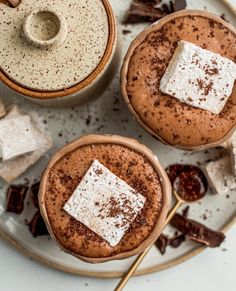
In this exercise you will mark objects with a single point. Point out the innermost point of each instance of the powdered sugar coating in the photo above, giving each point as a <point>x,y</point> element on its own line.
<point>16,137</point>
<point>199,77</point>
<point>104,203</point>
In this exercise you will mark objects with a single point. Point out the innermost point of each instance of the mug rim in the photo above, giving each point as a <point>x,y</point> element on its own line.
<point>139,148</point>
<point>125,67</point>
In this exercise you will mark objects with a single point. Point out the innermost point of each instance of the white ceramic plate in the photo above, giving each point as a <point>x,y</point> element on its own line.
<point>110,115</point>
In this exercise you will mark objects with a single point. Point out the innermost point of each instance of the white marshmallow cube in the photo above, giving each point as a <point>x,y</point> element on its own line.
<point>199,77</point>
<point>220,175</point>
<point>104,203</point>
<point>16,137</point>
<point>12,169</point>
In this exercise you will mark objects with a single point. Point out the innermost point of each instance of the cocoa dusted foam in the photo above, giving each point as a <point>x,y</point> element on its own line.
<point>135,168</point>
<point>163,116</point>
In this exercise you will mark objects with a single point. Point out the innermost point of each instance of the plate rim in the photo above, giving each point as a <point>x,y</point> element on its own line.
<point>106,274</point>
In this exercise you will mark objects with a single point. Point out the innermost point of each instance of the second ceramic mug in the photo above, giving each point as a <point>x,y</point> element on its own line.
<point>60,54</point>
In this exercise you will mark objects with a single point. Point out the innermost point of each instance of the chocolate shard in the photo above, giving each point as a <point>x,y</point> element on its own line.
<point>197,231</point>
<point>148,2</point>
<point>185,211</point>
<point>15,198</point>
<point>161,243</point>
<point>176,241</point>
<point>143,11</point>
<point>37,225</point>
<point>177,5</point>
<point>34,190</point>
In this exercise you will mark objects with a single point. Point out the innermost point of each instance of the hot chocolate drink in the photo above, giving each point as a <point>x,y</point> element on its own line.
<point>165,117</point>
<point>127,160</point>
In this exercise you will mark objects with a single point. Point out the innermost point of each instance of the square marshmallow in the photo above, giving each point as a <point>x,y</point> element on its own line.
<point>220,175</point>
<point>11,169</point>
<point>16,137</point>
<point>104,203</point>
<point>199,77</point>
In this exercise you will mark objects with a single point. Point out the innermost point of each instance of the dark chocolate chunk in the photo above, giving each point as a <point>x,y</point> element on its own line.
<point>15,198</point>
<point>185,211</point>
<point>176,241</point>
<point>223,17</point>
<point>177,5</point>
<point>161,243</point>
<point>126,31</point>
<point>143,11</point>
<point>34,190</point>
<point>37,225</point>
<point>197,231</point>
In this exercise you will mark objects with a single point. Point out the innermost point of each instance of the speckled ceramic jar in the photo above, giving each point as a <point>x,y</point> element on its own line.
<point>58,52</point>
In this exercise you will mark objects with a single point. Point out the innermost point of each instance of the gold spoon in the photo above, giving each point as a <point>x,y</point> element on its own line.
<point>179,201</point>
<point>230,5</point>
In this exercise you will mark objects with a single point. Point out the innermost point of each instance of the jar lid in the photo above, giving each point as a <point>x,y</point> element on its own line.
<point>52,45</point>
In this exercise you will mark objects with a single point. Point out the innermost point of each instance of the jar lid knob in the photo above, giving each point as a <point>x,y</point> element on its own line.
<point>45,28</point>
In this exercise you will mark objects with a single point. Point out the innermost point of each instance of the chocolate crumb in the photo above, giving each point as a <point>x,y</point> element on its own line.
<point>37,225</point>
<point>176,241</point>
<point>126,31</point>
<point>185,211</point>
<point>15,198</point>
<point>161,243</point>
<point>147,10</point>
<point>34,190</point>
<point>177,5</point>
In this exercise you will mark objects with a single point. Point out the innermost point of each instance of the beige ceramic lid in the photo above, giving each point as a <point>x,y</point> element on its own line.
<point>50,45</point>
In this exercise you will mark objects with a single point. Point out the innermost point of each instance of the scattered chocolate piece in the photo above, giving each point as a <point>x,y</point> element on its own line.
<point>176,241</point>
<point>126,31</point>
<point>188,181</point>
<point>147,10</point>
<point>15,198</point>
<point>197,231</point>
<point>161,243</point>
<point>37,225</point>
<point>143,11</point>
<point>177,5</point>
<point>223,17</point>
<point>186,211</point>
<point>34,190</point>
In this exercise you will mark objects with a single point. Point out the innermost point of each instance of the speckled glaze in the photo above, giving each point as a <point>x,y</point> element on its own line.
<point>60,63</point>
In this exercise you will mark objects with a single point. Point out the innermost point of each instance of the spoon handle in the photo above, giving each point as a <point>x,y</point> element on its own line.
<point>230,5</point>
<point>140,258</point>
<point>173,211</point>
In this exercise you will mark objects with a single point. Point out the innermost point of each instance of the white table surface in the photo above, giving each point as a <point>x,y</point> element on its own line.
<point>212,270</point>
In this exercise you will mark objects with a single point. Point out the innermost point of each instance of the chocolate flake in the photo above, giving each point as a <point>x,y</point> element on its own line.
<point>197,231</point>
<point>176,241</point>
<point>147,10</point>
<point>150,11</point>
<point>143,11</point>
<point>34,190</point>
<point>178,5</point>
<point>37,225</point>
<point>161,243</point>
<point>185,211</point>
<point>126,31</point>
<point>15,198</point>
